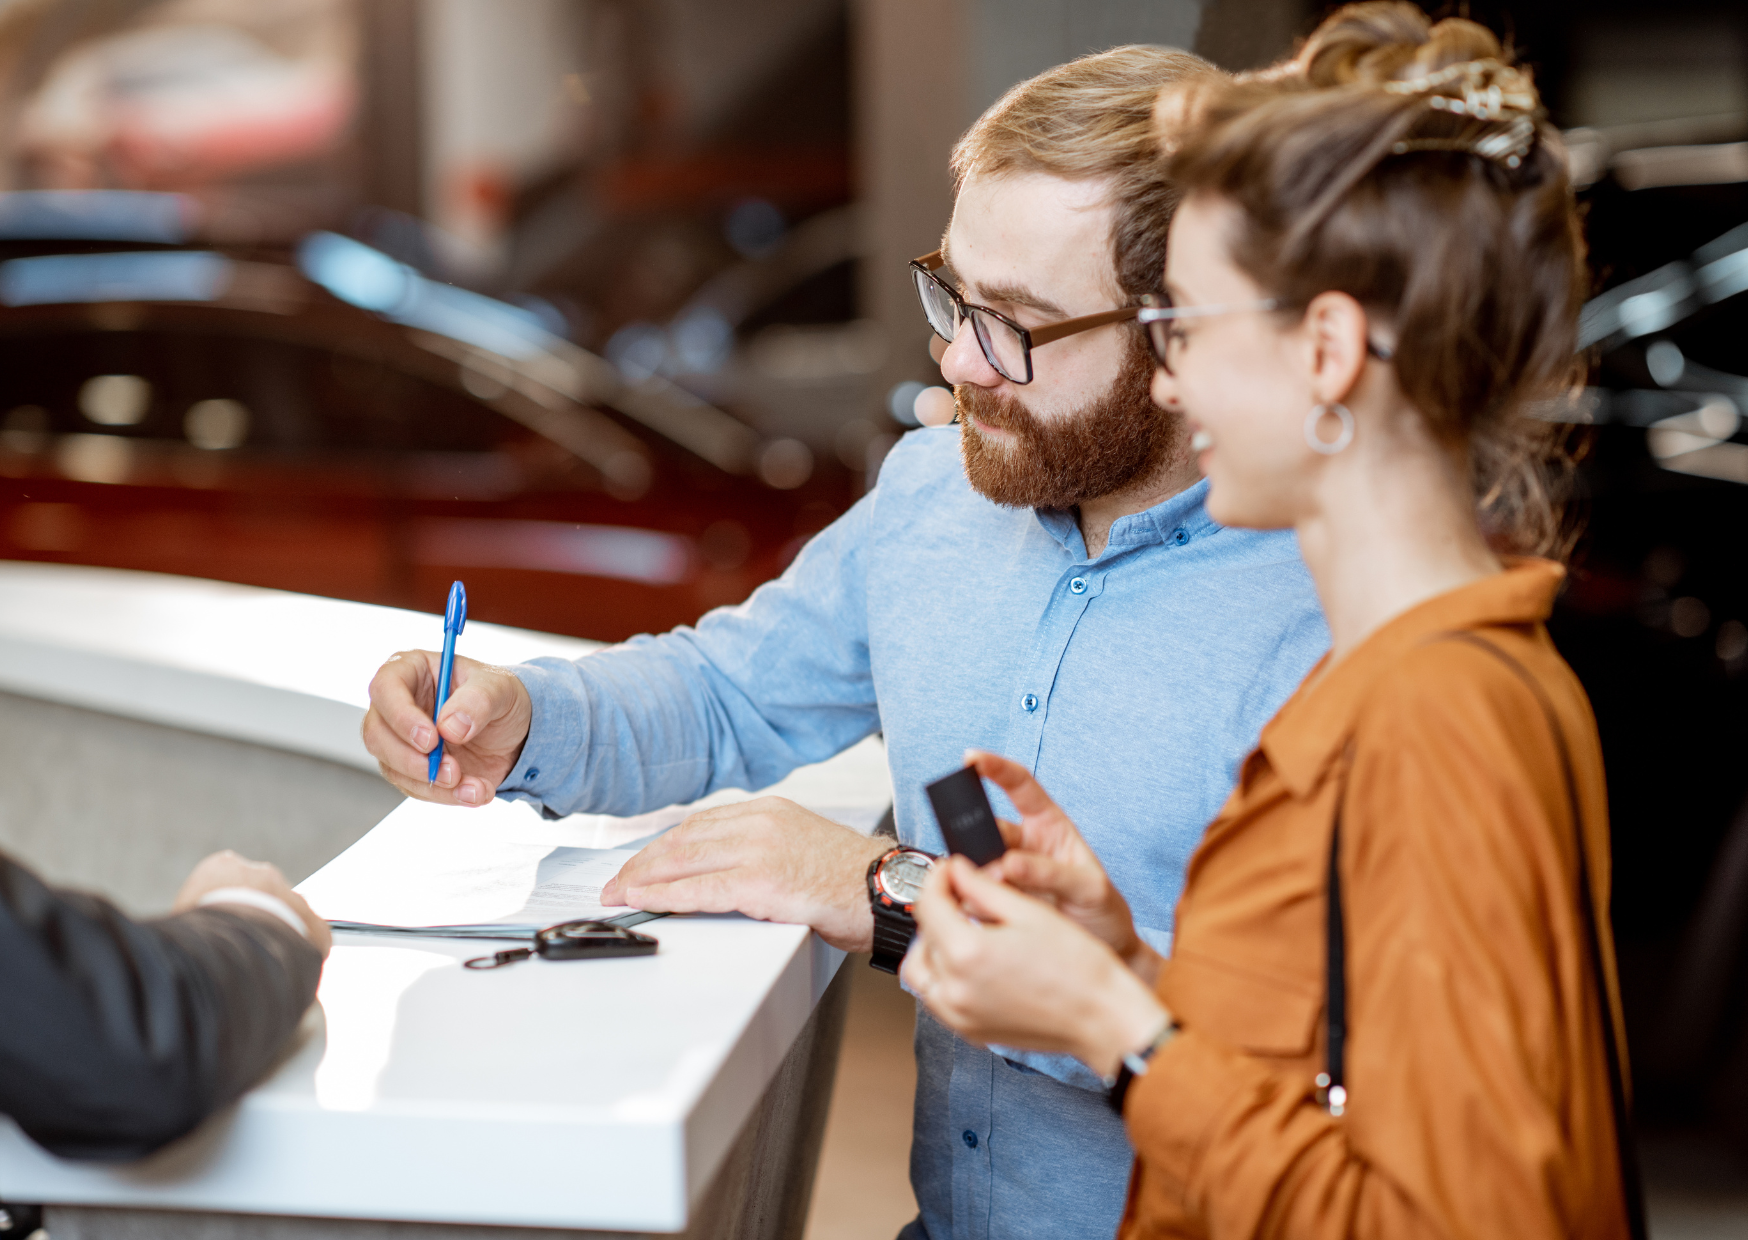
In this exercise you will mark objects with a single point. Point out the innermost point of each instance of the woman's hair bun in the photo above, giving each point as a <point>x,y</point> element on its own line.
<point>1383,41</point>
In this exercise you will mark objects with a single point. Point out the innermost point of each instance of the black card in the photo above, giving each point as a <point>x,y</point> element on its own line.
<point>967,822</point>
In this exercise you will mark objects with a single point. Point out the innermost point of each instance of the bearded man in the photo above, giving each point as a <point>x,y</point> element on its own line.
<point>1041,581</point>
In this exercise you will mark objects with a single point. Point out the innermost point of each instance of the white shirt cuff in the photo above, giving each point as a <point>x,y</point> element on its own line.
<point>256,898</point>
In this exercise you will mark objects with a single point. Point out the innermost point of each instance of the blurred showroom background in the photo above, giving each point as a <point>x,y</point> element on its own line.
<point>601,305</point>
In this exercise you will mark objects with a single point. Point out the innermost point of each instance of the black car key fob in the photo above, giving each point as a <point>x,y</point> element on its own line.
<point>578,940</point>
<point>575,940</point>
<point>967,822</point>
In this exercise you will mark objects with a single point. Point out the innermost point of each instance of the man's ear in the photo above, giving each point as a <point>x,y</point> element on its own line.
<point>1335,326</point>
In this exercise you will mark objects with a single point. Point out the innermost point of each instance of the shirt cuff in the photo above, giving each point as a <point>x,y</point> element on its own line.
<point>255,898</point>
<point>544,769</point>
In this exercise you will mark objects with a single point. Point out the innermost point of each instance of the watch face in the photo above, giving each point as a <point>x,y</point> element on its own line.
<point>902,876</point>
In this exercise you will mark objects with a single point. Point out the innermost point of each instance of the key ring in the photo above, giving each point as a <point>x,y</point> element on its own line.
<point>498,960</point>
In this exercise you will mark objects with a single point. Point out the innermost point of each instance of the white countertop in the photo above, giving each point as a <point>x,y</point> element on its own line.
<point>290,671</point>
<point>599,1094</point>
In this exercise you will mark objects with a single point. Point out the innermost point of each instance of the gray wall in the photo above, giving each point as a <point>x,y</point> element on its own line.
<point>1012,40</point>
<point>127,808</point>
<point>1248,34</point>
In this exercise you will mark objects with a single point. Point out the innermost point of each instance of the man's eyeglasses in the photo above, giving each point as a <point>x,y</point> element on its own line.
<point>1006,345</point>
<point>1159,317</point>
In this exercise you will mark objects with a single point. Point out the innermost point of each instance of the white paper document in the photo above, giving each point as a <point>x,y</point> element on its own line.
<point>567,887</point>
<point>504,871</point>
<point>568,882</point>
<point>487,873</point>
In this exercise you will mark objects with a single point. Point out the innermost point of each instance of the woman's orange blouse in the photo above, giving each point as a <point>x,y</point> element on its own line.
<point>1478,1093</point>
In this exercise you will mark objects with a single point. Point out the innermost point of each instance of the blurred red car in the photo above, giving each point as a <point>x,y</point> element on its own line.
<point>330,421</point>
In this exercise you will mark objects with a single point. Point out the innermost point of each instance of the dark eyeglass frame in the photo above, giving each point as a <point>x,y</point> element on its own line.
<point>1030,338</point>
<point>1156,311</point>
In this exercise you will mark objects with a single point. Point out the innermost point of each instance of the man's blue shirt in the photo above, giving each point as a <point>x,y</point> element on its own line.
<point>1132,685</point>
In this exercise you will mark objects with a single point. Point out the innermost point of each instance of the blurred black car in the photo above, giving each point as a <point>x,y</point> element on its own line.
<point>1655,620</point>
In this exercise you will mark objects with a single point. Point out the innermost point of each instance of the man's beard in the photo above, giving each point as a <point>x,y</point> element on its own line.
<point>1108,443</point>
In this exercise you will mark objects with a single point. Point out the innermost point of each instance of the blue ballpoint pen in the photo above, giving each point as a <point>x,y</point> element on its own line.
<point>454,620</point>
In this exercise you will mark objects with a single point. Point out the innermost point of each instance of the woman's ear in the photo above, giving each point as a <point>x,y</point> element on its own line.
<point>1335,326</point>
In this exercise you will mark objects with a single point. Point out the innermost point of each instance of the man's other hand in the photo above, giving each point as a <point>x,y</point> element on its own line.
<point>767,858</point>
<point>228,869</point>
<point>484,724</point>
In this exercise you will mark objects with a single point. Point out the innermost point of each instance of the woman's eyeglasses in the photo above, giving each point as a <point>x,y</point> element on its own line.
<point>1160,318</point>
<point>1006,345</point>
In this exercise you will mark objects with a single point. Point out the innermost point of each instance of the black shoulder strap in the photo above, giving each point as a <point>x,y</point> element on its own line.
<point>1331,1083</point>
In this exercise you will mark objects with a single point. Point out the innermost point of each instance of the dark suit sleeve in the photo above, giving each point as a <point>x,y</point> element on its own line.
<point>117,1036</point>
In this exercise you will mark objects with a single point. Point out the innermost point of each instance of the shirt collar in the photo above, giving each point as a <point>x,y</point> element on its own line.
<point>1308,732</point>
<point>1184,511</point>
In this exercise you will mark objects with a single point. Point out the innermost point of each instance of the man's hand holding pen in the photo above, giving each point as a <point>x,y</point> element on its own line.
<point>484,725</point>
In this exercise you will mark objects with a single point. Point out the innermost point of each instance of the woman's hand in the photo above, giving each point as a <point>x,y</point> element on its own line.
<point>1023,975</point>
<point>1050,860</point>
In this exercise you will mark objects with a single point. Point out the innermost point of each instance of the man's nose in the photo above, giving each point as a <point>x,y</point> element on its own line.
<point>963,362</point>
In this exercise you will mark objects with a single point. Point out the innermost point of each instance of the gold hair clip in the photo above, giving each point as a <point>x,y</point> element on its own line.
<point>1507,146</point>
<point>1490,89</point>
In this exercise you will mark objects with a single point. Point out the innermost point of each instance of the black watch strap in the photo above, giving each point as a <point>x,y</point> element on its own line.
<point>894,928</point>
<point>893,932</point>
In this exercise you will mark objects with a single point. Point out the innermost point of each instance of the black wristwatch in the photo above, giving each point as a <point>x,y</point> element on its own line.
<point>895,879</point>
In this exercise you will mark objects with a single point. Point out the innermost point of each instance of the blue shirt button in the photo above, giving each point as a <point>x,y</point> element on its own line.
<point>1180,537</point>
<point>532,773</point>
<point>1078,585</point>
<point>1030,702</point>
<point>970,1138</point>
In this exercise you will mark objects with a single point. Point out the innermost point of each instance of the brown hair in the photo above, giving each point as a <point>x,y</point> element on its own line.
<point>1092,118</point>
<point>1408,165</point>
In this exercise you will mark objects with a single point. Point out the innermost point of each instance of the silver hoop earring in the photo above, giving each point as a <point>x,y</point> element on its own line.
<point>1329,447</point>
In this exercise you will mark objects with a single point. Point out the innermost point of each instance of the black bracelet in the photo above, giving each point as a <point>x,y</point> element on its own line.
<point>1134,1065</point>
<point>1119,1091</point>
